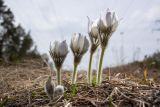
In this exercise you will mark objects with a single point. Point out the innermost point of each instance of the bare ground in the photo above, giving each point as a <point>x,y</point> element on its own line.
<point>21,85</point>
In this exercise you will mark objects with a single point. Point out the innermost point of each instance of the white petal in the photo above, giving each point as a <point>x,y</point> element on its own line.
<point>90,22</point>
<point>114,22</point>
<point>66,47</point>
<point>102,24</point>
<point>55,47</point>
<point>109,18</point>
<point>81,43</point>
<point>114,26</point>
<point>74,41</point>
<point>86,44</point>
<point>94,32</point>
<point>71,44</point>
<point>114,18</point>
<point>63,48</point>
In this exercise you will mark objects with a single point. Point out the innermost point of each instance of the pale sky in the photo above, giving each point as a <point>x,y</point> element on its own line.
<point>51,20</point>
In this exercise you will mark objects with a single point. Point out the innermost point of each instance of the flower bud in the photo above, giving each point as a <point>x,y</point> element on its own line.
<point>59,90</point>
<point>49,88</point>
<point>93,34</point>
<point>58,52</point>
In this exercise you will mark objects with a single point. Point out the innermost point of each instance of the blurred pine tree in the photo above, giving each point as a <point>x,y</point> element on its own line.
<point>14,41</point>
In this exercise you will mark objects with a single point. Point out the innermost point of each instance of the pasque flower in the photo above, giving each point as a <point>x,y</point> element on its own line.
<point>79,46</point>
<point>59,90</point>
<point>107,24</point>
<point>58,52</point>
<point>93,35</point>
<point>52,90</point>
<point>49,88</point>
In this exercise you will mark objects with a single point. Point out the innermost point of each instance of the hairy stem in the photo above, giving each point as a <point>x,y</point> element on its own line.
<point>58,76</point>
<point>74,76</point>
<point>100,67</point>
<point>89,69</point>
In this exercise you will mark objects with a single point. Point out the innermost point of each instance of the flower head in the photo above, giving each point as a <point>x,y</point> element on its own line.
<point>107,25</point>
<point>93,27</point>
<point>108,21</point>
<point>58,52</point>
<point>79,45</point>
<point>93,34</point>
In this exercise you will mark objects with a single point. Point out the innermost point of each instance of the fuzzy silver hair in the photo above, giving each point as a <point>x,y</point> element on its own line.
<point>49,88</point>
<point>59,90</point>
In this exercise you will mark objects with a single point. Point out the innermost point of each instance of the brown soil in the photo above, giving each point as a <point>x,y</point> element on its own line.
<point>21,85</point>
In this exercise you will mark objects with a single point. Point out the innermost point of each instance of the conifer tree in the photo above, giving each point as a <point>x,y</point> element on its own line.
<point>14,41</point>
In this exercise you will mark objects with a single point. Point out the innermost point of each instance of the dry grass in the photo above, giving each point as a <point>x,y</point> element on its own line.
<point>22,85</point>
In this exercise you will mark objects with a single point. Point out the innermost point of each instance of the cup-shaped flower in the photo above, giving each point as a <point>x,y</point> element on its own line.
<point>93,34</point>
<point>58,52</point>
<point>49,88</point>
<point>79,46</point>
<point>106,26</point>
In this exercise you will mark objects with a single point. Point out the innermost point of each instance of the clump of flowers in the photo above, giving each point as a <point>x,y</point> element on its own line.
<point>93,35</point>
<point>107,25</point>
<point>99,32</point>
<point>52,90</point>
<point>58,52</point>
<point>79,46</point>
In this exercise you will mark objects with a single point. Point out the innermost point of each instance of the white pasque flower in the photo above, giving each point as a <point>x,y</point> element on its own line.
<point>58,52</point>
<point>79,44</point>
<point>93,27</point>
<point>109,20</point>
<point>93,33</point>
<point>107,25</point>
